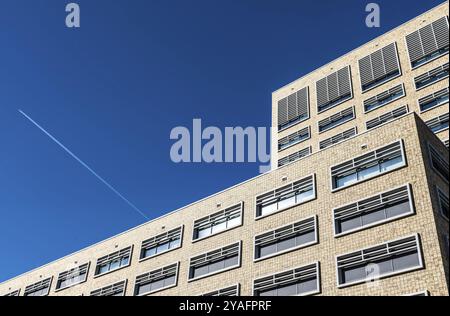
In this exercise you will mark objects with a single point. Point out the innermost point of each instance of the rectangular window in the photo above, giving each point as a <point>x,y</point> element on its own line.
<point>338,138</point>
<point>156,280</point>
<point>443,203</point>
<point>72,277</point>
<point>384,98</point>
<point>216,261</point>
<point>336,119</point>
<point>218,222</point>
<point>41,288</point>
<point>295,156</point>
<point>114,261</point>
<point>379,67</point>
<point>432,76</point>
<point>288,238</point>
<point>391,258</point>
<point>428,43</point>
<point>368,166</point>
<point>293,109</point>
<point>446,143</point>
<point>162,243</point>
<point>117,289</point>
<point>277,200</point>
<point>387,117</point>
<point>297,282</point>
<point>439,164</point>
<point>15,293</point>
<point>372,211</point>
<point>334,89</point>
<point>438,124</point>
<point>229,291</point>
<point>433,100</point>
<point>295,138</point>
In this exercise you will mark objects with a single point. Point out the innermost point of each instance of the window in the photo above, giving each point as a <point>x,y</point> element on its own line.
<point>387,117</point>
<point>379,67</point>
<point>438,124</point>
<point>334,89</point>
<point>296,193</point>
<point>156,280</point>
<point>114,261</point>
<point>446,143</point>
<point>213,262</point>
<point>439,164</point>
<point>301,282</point>
<point>72,277</point>
<point>14,293</point>
<point>117,289</point>
<point>229,291</point>
<point>218,222</point>
<point>294,157</point>
<point>423,293</point>
<point>433,100</point>
<point>388,259</point>
<point>287,238</point>
<point>336,119</point>
<point>368,166</point>
<point>162,243</point>
<point>443,203</point>
<point>428,43</point>
<point>338,138</point>
<point>295,138</point>
<point>384,98</point>
<point>293,109</point>
<point>374,210</point>
<point>41,288</point>
<point>433,76</point>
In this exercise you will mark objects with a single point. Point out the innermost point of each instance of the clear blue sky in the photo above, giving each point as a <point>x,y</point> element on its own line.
<point>112,91</point>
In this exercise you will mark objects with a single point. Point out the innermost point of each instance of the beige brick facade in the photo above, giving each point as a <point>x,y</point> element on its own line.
<point>426,221</point>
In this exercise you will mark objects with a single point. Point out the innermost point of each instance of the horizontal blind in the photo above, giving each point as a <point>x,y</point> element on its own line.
<point>387,117</point>
<point>294,107</point>
<point>338,138</point>
<point>334,88</point>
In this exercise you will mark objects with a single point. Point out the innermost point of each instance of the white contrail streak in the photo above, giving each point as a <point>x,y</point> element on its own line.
<point>84,165</point>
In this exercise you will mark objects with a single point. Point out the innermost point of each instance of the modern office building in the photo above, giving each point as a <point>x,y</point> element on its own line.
<point>357,202</point>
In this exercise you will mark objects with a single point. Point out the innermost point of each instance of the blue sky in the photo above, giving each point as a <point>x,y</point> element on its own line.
<point>112,91</point>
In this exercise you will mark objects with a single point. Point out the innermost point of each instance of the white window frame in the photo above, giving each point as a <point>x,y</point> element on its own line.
<point>341,101</point>
<point>296,142</point>
<point>116,269</point>
<point>314,242</point>
<point>284,128</point>
<point>335,126</point>
<point>289,207</point>
<point>421,293</point>
<point>237,286</point>
<point>124,287</point>
<point>433,107</point>
<point>48,289</point>
<point>241,203</point>
<point>74,284</point>
<point>391,101</point>
<point>318,268</point>
<point>163,288</point>
<point>428,84</point>
<point>405,163</point>
<point>239,264</point>
<point>384,221</point>
<point>167,250</point>
<point>386,275</point>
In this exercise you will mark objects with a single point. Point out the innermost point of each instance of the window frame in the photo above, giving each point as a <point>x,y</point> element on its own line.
<point>403,165</point>
<point>177,272</point>
<point>387,117</point>
<point>125,284</point>
<point>50,282</point>
<point>431,148</point>
<point>386,275</point>
<point>431,83</point>
<point>402,85</point>
<point>319,282</point>
<point>297,141</point>
<point>74,284</point>
<point>298,120</point>
<point>306,245</point>
<point>142,259</point>
<point>238,265</point>
<point>377,223</point>
<point>342,99</point>
<point>210,293</point>
<point>241,203</point>
<point>97,275</point>
<point>337,125</point>
<point>339,135</point>
<point>434,106</point>
<point>314,184</point>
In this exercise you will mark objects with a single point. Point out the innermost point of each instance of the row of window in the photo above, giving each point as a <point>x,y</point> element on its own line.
<point>426,103</point>
<point>358,215</point>
<point>424,45</point>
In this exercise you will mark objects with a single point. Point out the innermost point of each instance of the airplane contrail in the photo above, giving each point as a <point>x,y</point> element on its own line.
<point>85,165</point>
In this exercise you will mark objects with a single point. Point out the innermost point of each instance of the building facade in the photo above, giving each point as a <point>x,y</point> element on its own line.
<point>357,202</point>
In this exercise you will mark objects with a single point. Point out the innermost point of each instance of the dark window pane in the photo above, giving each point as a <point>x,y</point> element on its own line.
<point>373,217</point>
<point>398,209</point>
<point>354,274</point>
<point>404,262</point>
<point>307,286</point>
<point>230,262</point>
<point>286,244</point>
<point>267,250</point>
<point>305,238</point>
<point>287,290</point>
<point>267,293</point>
<point>349,224</point>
